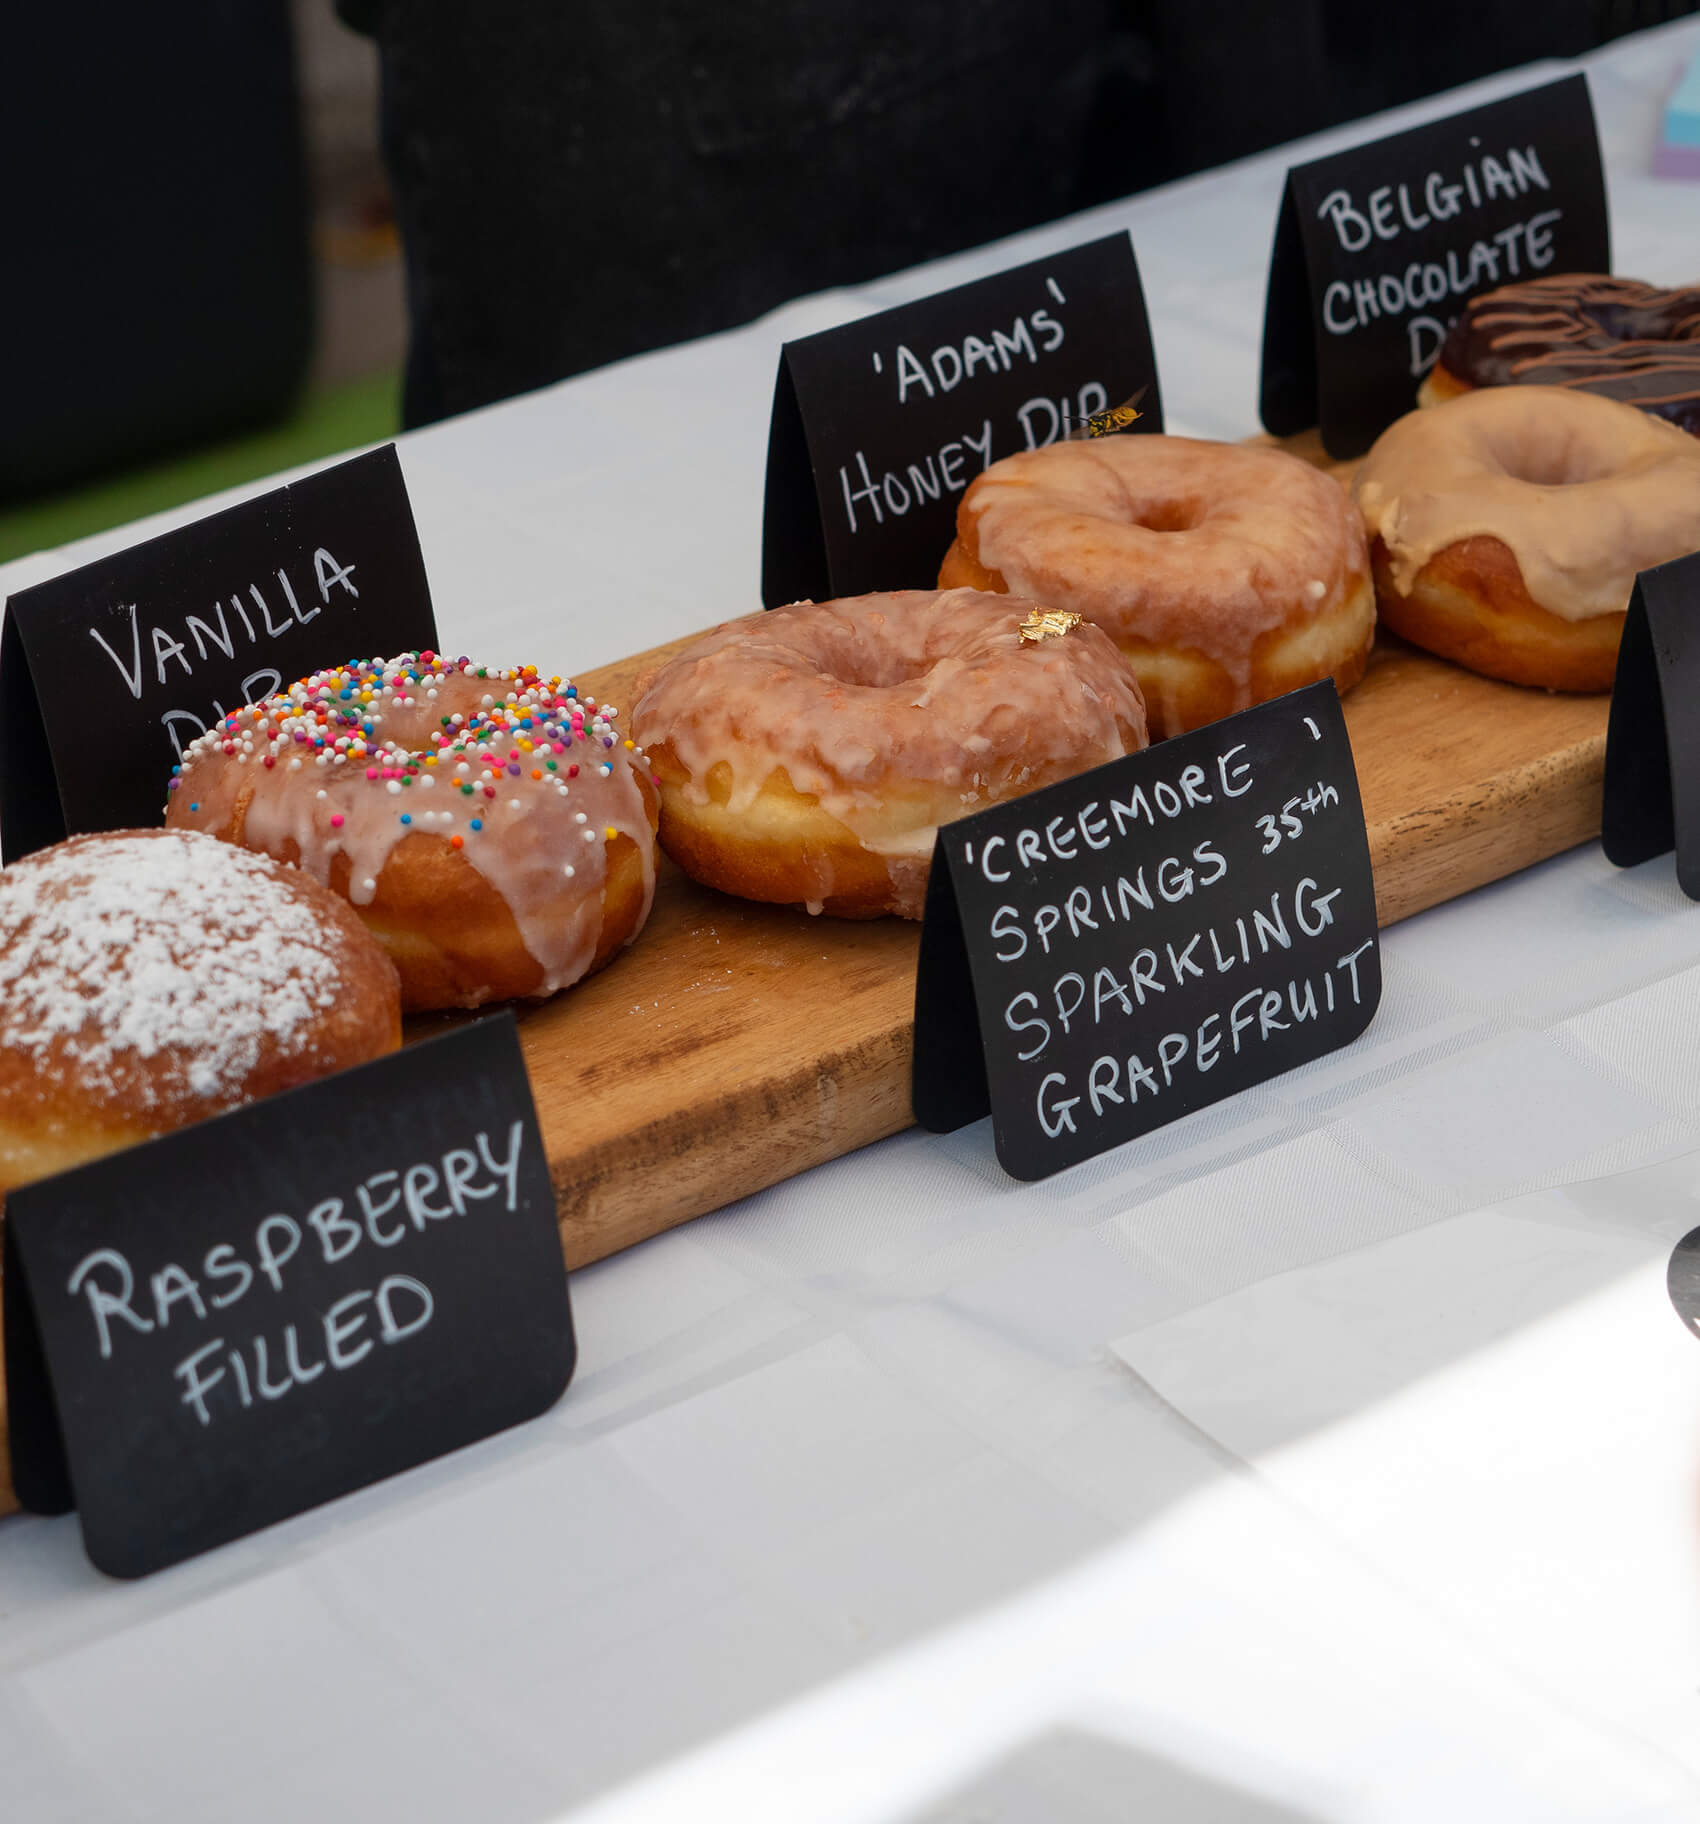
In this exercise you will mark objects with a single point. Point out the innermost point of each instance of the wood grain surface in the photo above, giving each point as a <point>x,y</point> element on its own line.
<point>735,1045</point>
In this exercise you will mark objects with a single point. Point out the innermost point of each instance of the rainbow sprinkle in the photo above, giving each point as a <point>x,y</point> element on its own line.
<point>526,724</point>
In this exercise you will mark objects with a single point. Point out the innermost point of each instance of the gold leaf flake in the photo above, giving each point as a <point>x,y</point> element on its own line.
<point>1047,624</point>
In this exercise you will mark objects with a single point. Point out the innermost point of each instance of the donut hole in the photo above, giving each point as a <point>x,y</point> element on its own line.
<point>862,665</point>
<point>1180,515</point>
<point>1557,461</point>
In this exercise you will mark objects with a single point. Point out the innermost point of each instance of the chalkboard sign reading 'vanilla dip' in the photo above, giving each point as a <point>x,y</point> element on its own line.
<point>880,425</point>
<point>1125,947</point>
<point>109,671</point>
<point>1379,247</point>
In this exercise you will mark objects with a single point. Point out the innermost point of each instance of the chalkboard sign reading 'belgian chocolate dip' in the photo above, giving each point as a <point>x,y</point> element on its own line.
<point>109,671</point>
<point>1378,248</point>
<point>1110,953</point>
<point>218,1329</point>
<point>879,426</point>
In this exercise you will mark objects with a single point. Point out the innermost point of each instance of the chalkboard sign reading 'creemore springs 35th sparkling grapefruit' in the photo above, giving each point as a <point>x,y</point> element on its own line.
<point>1108,954</point>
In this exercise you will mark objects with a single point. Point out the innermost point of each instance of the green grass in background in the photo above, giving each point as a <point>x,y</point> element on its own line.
<point>338,418</point>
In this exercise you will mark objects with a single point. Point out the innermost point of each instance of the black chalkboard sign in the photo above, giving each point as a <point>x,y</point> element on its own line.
<point>880,425</point>
<point>226,1326</point>
<point>108,672</point>
<point>1115,951</point>
<point>1378,248</point>
<point>1652,785</point>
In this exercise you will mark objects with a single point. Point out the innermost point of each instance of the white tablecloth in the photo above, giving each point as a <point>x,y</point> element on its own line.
<point>1333,1454</point>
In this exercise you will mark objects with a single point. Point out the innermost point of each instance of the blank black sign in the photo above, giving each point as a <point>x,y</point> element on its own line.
<point>1652,784</point>
<point>1378,248</point>
<point>880,425</point>
<point>242,1320</point>
<point>1148,938</point>
<point>108,672</point>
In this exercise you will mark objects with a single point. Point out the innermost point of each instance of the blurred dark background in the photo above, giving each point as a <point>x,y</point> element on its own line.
<point>228,218</point>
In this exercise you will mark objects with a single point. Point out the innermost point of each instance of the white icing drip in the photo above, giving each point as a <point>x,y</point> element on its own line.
<point>129,946</point>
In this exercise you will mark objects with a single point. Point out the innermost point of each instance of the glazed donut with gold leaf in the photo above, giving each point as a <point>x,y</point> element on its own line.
<point>808,756</point>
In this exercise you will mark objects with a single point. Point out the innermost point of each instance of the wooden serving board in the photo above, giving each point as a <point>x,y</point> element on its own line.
<point>735,1045</point>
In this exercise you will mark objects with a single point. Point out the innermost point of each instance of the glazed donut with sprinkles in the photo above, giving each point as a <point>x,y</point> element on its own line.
<point>494,828</point>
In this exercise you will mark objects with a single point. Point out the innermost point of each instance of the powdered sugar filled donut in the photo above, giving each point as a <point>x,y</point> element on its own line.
<point>149,978</point>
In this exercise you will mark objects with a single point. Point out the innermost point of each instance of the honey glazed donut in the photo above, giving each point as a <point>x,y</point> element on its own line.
<point>492,827</point>
<point>1508,525</point>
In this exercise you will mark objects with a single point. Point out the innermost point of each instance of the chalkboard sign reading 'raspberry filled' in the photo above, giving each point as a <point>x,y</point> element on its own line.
<point>234,1323</point>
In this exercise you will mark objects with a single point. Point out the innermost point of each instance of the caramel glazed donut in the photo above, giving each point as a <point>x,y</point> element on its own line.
<point>150,978</point>
<point>807,756</point>
<point>1508,525</point>
<point>491,827</point>
<point>1227,574</point>
<point>1617,337</point>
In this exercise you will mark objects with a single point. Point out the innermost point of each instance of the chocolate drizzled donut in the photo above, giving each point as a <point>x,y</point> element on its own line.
<point>1630,341</point>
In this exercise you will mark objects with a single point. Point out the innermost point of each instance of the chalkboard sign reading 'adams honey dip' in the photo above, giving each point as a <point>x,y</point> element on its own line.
<point>879,426</point>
